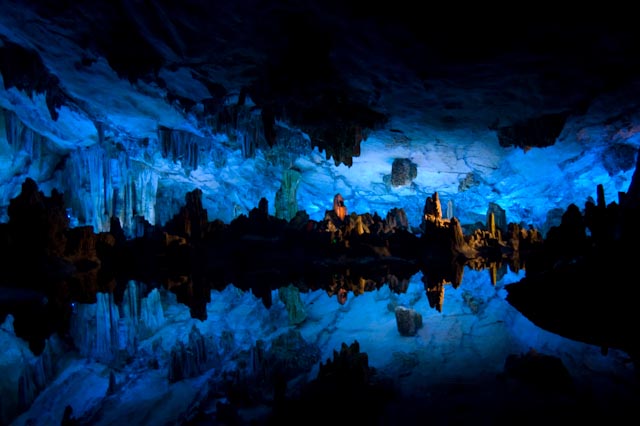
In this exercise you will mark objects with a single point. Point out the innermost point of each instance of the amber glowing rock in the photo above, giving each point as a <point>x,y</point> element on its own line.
<point>338,206</point>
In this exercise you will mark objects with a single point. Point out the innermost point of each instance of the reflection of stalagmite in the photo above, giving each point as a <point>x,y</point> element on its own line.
<point>435,292</point>
<point>360,226</point>
<point>457,274</point>
<point>435,296</point>
<point>493,273</point>
<point>99,330</point>
<point>290,296</point>
<point>342,296</point>
<point>338,206</point>
<point>140,316</point>
<point>188,359</point>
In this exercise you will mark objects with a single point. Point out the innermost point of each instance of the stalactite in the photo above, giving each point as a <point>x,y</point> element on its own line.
<point>247,144</point>
<point>24,152</point>
<point>84,186</point>
<point>243,125</point>
<point>182,146</point>
<point>22,139</point>
<point>102,182</point>
<point>143,182</point>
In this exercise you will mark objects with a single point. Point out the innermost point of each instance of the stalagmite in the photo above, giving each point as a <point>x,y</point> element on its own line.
<point>492,225</point>
<point>338,206</point>
<point>499,218</point>
<point>450,212</point>
<point>432,207</point>
<point>286,203</point>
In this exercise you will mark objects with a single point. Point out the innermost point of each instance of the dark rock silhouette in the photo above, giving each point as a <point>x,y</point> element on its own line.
<point>566,276</point>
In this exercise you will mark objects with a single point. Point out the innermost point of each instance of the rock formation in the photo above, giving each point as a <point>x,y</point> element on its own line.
<point>403,171</point>
<point>188,359</point>
<point>408,320</point>
<point>191,220</point>
<point>286,203</point>
<point>290,296</point>
<point>578,265</point>
<point>338,207</point>
<point>346,387</point>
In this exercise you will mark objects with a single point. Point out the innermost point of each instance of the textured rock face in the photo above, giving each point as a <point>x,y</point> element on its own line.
<point>409,321</point>
<point>403,171</point>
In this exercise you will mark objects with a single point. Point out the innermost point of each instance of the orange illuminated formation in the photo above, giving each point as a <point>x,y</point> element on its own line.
<point>338,206</point>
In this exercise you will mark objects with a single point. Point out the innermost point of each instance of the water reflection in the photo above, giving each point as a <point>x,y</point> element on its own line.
<point>468,334</point>
<point>339,280</point>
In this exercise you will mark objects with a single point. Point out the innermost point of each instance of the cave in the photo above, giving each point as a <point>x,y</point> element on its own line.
<point>251,212</point>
